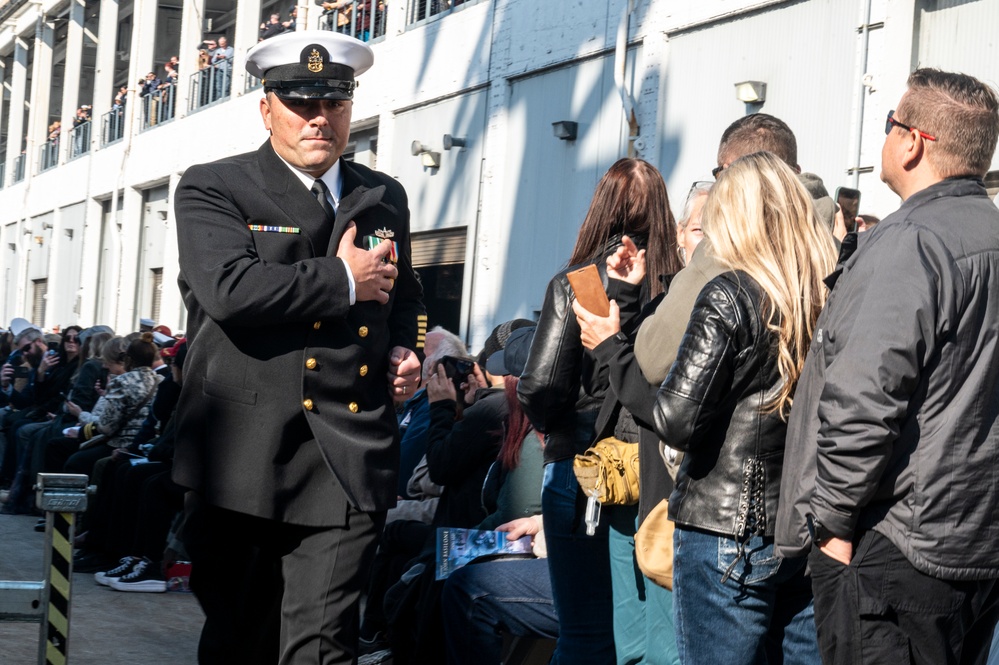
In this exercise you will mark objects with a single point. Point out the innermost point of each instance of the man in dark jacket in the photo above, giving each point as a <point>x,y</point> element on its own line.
<point>894,434</point>
<point>299,340</point>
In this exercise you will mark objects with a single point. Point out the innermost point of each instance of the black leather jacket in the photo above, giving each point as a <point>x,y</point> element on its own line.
<point>550,389</point>
<point>710,406</point>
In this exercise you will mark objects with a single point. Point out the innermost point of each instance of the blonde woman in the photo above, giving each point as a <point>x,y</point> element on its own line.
<point>688,228</point>
<point>725,401</point>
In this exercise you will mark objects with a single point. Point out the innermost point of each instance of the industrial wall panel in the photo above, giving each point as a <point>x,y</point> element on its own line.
<point>550,181</point>
<point>447,196</point>
<point>961,36</point>
<point>38,247</point>
<point>10,273</point>
<point>154,216</point>
<point>67,248</point>
<point>780,46</point>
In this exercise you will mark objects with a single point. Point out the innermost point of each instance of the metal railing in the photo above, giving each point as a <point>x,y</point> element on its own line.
<point>363,19</point>
<point>159,106</point>
<point>211,84</point>
<point>48,155</point>
<point>79,140</point>
<point>112,126</point>
<point>423,9</point>
<point>19,162</point>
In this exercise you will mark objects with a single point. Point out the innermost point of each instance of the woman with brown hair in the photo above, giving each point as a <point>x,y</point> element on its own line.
<point>630,205</point>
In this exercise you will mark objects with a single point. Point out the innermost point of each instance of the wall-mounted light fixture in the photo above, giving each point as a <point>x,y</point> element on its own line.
<point>39,240</point>
<point>429,158</point>
<point>163,214</point>
<point>751,92</point>
<point>46,226</point>
<point>12,246</point>
<point>69,233</point>
<point>565,130</point>
<point>453,142</point>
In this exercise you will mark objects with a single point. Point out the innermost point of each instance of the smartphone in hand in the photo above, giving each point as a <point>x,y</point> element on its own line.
<point>589,290</point>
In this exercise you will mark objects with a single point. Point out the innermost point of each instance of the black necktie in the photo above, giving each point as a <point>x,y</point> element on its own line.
<point>322,194</point>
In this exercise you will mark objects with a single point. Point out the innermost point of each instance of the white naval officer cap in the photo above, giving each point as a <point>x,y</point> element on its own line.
<point>310,64</point>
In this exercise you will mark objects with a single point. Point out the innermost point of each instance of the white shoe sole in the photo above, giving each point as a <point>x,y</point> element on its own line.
<point>149,586</point>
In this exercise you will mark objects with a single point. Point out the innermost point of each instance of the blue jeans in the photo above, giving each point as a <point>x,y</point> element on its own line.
<point>762,613</point>
<point>580,572</point>
<point>643,610</point>
<point>482,601</point>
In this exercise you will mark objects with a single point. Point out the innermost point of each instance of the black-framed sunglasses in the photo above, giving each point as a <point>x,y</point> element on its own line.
<point>890,122</point>
<point>24,347</point>
<point>71,338</point>
<point>716,170</point>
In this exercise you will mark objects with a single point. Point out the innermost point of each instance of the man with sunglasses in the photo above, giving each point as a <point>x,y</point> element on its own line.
<point>30,345</point>
<point>659,336</point>
<point>893,438</point>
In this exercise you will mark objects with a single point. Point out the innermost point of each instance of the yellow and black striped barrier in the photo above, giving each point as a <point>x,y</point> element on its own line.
<point>61,496</point>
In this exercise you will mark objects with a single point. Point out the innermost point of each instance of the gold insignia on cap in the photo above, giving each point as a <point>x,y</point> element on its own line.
<point>315,62</point>
<point>384,233</point>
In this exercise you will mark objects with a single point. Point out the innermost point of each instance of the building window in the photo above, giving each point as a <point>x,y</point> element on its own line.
<point>439,260</point>
<point>38,298</point>
<point>157,291</point>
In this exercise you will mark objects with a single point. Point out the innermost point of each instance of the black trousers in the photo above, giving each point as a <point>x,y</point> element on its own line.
<point>881,610</point>
<point>275,592</point>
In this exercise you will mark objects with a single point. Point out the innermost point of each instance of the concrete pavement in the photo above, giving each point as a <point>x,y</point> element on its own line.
<point>107,627</point>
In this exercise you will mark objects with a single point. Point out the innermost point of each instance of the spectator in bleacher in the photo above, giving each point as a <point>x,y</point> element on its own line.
<point>414,420</point>
<point>123,407</point>
<point>31,385</point>
<point>63,367</point>
<point>271,27</point>
<point>462,447</point>
<point>136,503</point>
<point>338,14</point>
<point>222,62</point>
<point>148,85</point>
<point>87,389</point>
<point>291,25</point>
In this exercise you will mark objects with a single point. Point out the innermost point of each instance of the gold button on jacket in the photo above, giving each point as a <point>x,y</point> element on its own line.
<point>307,404</point>
<point>354,408</point>
<point>364,370</point>
<point>311,363</point>
<point>317,325</point>
<point>363,331</point>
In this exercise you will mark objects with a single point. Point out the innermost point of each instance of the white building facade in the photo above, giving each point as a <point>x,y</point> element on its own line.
<point>460,107</point>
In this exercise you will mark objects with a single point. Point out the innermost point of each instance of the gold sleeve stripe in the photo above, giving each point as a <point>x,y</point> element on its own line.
<point>421,317</point>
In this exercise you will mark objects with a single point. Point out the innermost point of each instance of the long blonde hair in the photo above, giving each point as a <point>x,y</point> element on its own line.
<point>760,220</point>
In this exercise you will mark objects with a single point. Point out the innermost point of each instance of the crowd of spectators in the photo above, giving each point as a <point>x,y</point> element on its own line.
<point>710,320</point>
<point>362,19</point>
<point>89,402</point>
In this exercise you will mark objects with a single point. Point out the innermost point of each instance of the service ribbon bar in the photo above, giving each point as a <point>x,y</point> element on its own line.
<point>274,229</point>
<point>370,242</point>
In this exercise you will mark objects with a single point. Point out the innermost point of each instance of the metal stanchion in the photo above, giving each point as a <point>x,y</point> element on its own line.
<point>61,496</point>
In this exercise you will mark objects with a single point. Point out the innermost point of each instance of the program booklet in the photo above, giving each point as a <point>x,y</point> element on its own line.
<point>458,547</point>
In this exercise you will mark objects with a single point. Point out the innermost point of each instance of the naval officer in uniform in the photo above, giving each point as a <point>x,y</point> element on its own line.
<point>305,321</point>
